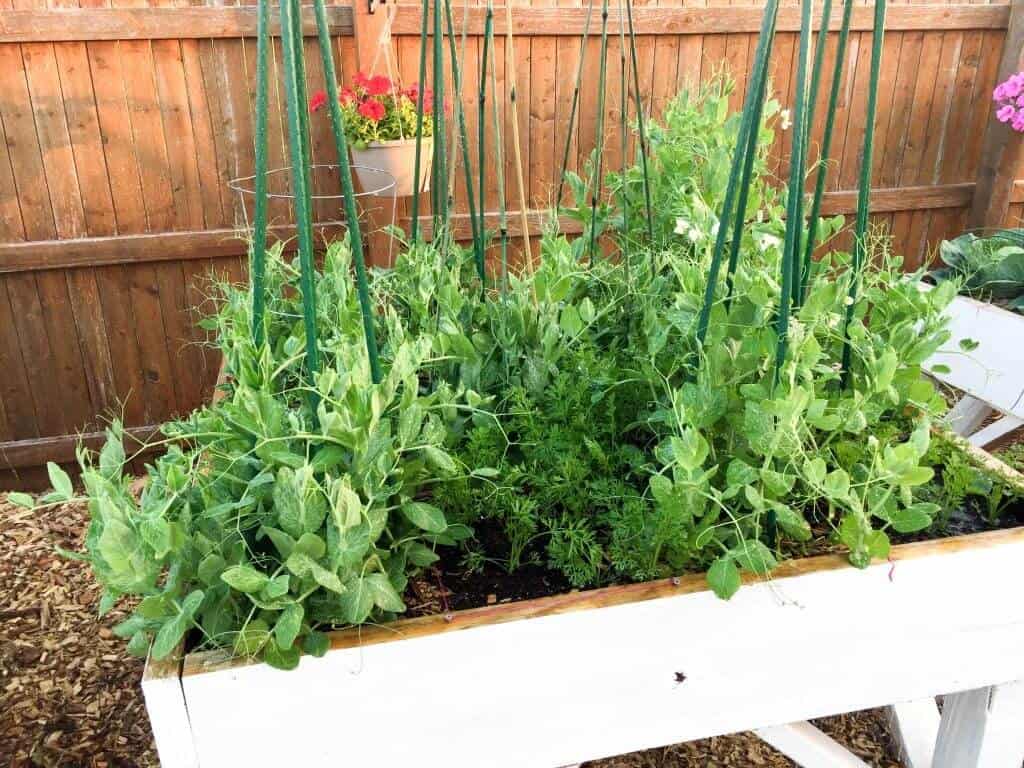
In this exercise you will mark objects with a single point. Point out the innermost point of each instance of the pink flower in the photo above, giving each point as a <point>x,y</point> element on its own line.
<point>317,100</point>
<point>378,85</point>
<point>347,95</point>
<point>1006,113</point>
<point>1000,93</point>
<point>1018,122</point>
<point>372,109</point>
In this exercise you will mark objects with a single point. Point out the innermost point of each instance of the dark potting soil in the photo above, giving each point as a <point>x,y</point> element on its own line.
<point>450,585</point>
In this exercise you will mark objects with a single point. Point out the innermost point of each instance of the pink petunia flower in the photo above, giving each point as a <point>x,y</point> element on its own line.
<point>1006,113</point>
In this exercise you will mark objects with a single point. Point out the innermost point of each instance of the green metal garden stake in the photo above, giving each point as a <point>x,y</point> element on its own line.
<point>595,192</point>
<point>826,144</point>
<point>460,116</point>
<point>864,193</point>
<point>347,190</point>
<point>259,232</point>
<point>296,142</point>
<point>414,227</point>
<point>758,83</point>
<point>575,104</point>
<point>790,248</point>
<point>761,58</point>
<point>640,122</point>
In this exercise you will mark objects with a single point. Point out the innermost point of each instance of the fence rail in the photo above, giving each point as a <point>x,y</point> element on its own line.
<point>120,127</point>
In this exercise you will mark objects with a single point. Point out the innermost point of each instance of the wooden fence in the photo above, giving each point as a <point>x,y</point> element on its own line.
<point>123,122</point>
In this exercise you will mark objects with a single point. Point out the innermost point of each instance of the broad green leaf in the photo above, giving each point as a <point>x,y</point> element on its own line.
<point>916,476</point>
<point>356,602</point>
<point>251,638</point>
<point>304,566</point>
<point>724,577</point>
<point>753,556</point>
<point>421,556</point>
<point>138,646</point>
<point>383,593</point>
<point>60,481</point>
<point>288,626</point>
<point>23,500</point>
<point>316,644</point>
<point>916,517</point>
<point>210,568</point>
<point>281,659</point>
<point>276,587</point>
<point>347,509</point>
<point>425,516</point>
<point>439,459</point>
<point>244,578</point>
<point>170,634</point>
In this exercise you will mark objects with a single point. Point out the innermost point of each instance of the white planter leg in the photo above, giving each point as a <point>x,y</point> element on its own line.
<point>967,415</point>
<point>982,728</point>
<point>914,726</point>
<point>809,747</point>
<point>995,430</point>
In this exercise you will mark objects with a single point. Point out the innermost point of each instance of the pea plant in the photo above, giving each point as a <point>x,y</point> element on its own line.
<point>573,413</point>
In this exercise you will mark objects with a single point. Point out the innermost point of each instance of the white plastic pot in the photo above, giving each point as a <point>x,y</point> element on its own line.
<point>397,158</point>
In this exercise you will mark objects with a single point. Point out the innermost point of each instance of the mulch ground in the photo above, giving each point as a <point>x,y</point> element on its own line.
<point>70,695</point>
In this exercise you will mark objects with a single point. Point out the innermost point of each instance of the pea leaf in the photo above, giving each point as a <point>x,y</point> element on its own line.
<point>23,500</point>
<point>724,577</point>
<point>752,555</point>
<point>289,623</point>
<point>60,481</point>
<point>425,516</point>
<point>244,578</point>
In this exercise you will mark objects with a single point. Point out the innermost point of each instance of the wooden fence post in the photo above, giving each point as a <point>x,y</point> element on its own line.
<point>369,21</point>
<point>1003,148</point>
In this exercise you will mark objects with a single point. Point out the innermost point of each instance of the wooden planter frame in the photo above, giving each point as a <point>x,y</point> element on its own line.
<point>573,677</point>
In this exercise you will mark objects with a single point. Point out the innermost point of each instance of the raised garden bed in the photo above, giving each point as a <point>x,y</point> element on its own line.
<point>591,674</point>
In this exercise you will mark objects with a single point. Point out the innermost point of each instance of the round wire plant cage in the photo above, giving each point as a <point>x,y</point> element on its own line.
<point>279,182</point>
<point>375,183</point>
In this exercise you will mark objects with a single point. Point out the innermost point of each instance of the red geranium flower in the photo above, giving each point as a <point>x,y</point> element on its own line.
<point>372,109</point>
<point>317,100</point>
<point>361,80</point>
<point>413,93</point>
<point>347,95</point>
<point>378,85</point>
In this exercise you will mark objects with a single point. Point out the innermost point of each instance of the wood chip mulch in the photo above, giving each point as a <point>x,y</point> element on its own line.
<point>70,695</point>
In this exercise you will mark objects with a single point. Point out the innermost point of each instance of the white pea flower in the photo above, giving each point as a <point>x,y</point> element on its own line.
<point>784,117</point>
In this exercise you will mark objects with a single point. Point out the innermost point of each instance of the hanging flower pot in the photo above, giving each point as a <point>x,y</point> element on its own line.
<point>396,158</point>
<point>380,121</point>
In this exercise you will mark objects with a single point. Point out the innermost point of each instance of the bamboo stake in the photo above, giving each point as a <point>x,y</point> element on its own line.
<point>864,193</point>
<point>414,228</point>
<point>510,70</point>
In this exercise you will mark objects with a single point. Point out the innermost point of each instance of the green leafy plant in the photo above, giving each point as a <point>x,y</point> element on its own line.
<point>574,419</point>
<point>988,268</point>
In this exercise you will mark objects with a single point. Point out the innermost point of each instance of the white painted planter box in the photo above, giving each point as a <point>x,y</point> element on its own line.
<point>991,376</point>
<point>558,680</point>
